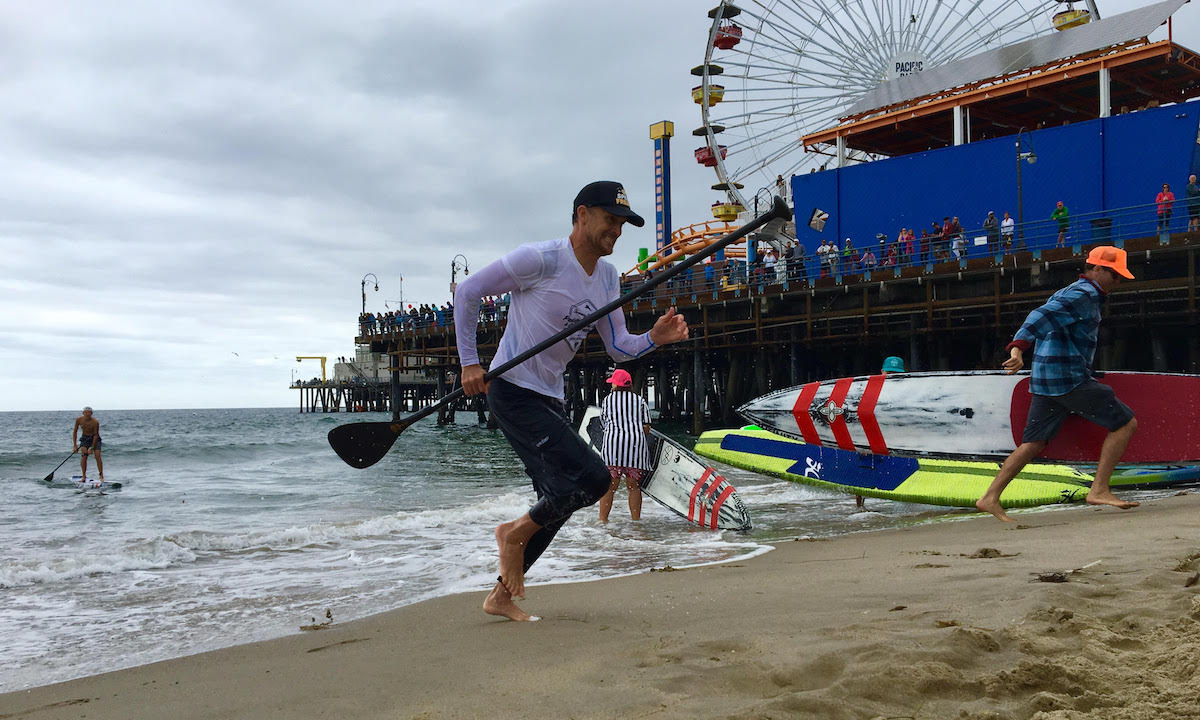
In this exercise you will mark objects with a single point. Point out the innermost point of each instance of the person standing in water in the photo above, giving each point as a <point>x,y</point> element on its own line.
<point>626,421</point>
<point>1065,331</point>
<point>88,441</point>
<point>554,284</point>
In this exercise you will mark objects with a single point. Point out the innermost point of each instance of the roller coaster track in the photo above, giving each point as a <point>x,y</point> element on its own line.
<point>690,240</point>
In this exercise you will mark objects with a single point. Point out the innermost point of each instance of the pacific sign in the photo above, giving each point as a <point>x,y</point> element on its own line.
<point>905,63</point>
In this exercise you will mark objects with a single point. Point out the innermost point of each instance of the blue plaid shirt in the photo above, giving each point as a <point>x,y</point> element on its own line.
<point>1065,330</point>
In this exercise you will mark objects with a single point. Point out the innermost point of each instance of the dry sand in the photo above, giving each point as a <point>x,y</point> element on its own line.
<point>947,620</point>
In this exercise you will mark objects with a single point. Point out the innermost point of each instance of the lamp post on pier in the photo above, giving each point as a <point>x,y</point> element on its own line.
<point>364,290</point>
<point>1029,157</point>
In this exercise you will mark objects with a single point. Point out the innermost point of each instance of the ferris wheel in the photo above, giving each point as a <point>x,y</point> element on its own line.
<point>776,70</point>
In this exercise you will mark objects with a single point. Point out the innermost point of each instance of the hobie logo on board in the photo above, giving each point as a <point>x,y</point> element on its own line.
<point>830,410</point>
<point>813,470</point>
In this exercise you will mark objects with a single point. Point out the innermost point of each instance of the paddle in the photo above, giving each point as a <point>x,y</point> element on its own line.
<point>364,444</point>
<point>50,477</point>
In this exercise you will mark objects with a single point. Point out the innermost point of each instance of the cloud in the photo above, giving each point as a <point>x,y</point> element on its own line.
<point>182,181</point>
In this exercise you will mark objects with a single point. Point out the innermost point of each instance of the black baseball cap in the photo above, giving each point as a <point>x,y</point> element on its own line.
<point>610,196</point>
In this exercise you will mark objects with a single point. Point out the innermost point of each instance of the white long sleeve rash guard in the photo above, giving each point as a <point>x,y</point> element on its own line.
<point>550,291</point>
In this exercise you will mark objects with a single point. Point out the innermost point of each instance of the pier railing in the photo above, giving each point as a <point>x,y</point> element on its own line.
<point>971,249</point>
<point>975,248</point>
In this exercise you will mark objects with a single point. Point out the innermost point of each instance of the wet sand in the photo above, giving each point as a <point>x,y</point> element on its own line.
<point>946,620</point>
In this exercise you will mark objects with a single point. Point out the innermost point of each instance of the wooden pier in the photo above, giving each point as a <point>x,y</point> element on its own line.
<point>752,339</point>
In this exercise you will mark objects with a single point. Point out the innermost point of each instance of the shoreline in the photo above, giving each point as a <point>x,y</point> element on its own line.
<point>921,621</point>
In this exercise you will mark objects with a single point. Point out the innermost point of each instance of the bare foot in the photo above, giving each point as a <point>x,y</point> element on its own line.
<point>989,506</point>
<point>500,602</point>
<point>512,561</point>
<point>1110,499</point>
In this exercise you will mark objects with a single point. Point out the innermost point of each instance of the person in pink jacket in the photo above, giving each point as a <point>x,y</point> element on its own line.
<point>1165,200</point>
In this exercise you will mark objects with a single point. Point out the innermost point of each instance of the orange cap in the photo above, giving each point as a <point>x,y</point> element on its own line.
<point>1110,257</point>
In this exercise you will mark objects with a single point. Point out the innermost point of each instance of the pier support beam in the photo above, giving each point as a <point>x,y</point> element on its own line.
<point>698,392</point>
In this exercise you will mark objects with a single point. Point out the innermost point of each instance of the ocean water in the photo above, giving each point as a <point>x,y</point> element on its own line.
<point>240,525</point>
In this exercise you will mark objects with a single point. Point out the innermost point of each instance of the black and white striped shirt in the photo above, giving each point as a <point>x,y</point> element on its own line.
<point>625,416</point>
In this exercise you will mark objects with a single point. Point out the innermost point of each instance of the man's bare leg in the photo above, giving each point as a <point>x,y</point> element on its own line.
<point>511,538</point>
<point>99,466</point>
<point>1013,464</point>
<point>606,502</point>
<point>499,602</point>
<point>1110,453</point>
<point>635,498</point>
<point>83,464</point>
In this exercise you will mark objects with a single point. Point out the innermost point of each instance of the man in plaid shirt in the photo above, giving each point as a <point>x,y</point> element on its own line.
<point>1063,333</point>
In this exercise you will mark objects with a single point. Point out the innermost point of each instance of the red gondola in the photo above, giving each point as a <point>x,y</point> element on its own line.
<point>727,36</point>
<point>704,155</point>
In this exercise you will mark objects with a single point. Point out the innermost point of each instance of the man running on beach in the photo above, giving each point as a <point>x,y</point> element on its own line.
<point>553,284</point>
<point>89,442</point>
<point>1065,330</point>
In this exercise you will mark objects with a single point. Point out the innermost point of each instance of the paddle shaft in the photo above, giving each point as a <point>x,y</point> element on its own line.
<point>50,477</point>
<point>779,211</point>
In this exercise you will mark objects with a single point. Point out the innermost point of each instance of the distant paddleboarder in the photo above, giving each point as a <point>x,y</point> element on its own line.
<point>1063,334</point>
<point>554,284</point>
<point>85,437</point>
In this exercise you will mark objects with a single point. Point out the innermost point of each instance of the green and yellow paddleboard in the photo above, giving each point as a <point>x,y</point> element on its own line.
<point>934,482</point>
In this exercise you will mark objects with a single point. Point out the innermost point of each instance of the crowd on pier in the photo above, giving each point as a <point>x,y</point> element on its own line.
<point>493,310</point>
<point>784,260</point>
<point>997,236</point>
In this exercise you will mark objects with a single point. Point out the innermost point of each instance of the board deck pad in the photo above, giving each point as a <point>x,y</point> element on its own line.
<point>680,481</point>
<point>976,415</point>
<point>929,481</point>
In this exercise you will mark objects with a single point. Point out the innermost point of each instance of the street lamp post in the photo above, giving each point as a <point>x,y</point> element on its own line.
<point>364,290</point>
<point>1029,157</point>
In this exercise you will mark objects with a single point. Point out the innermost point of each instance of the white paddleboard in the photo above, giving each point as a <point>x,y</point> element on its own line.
<point>680,481</point>
<point>93,483</point>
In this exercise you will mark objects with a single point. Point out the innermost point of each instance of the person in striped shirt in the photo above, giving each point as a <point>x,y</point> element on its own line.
<point>626,420</point>
<point>1065,331</point>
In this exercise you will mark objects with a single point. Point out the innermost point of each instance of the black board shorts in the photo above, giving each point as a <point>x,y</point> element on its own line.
<point>89,442</point>
<point>1090,401</point>
<point>567,475</point>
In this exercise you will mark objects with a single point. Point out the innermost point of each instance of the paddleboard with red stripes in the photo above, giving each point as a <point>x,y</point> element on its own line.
<point>680,481</point>
<point>976,414</point>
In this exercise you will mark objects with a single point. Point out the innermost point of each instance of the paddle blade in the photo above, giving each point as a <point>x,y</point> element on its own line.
<point>362,445</point>
<point>49,478</point>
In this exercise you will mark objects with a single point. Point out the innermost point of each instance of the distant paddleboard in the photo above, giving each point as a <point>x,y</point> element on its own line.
<point>929,481</point>
<point>976,415</point>
<point>680,481</point>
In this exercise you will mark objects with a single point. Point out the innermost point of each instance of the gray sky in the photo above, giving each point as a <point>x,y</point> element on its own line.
<point>192,192</point>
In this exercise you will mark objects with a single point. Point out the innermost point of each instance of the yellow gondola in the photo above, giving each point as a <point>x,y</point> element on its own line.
<point>726,210</point>
<point>1070,18</point>
<point>715,93</point>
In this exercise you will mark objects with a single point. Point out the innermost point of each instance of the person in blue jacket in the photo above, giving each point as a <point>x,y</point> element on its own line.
<point>1063,333</point>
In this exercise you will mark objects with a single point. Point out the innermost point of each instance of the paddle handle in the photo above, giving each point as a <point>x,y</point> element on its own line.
<point>779,211</point>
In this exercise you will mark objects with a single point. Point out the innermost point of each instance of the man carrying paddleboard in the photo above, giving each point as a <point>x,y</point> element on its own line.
<point>553,285</point>
<point>1063,333</point>
<point>89,441</point>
